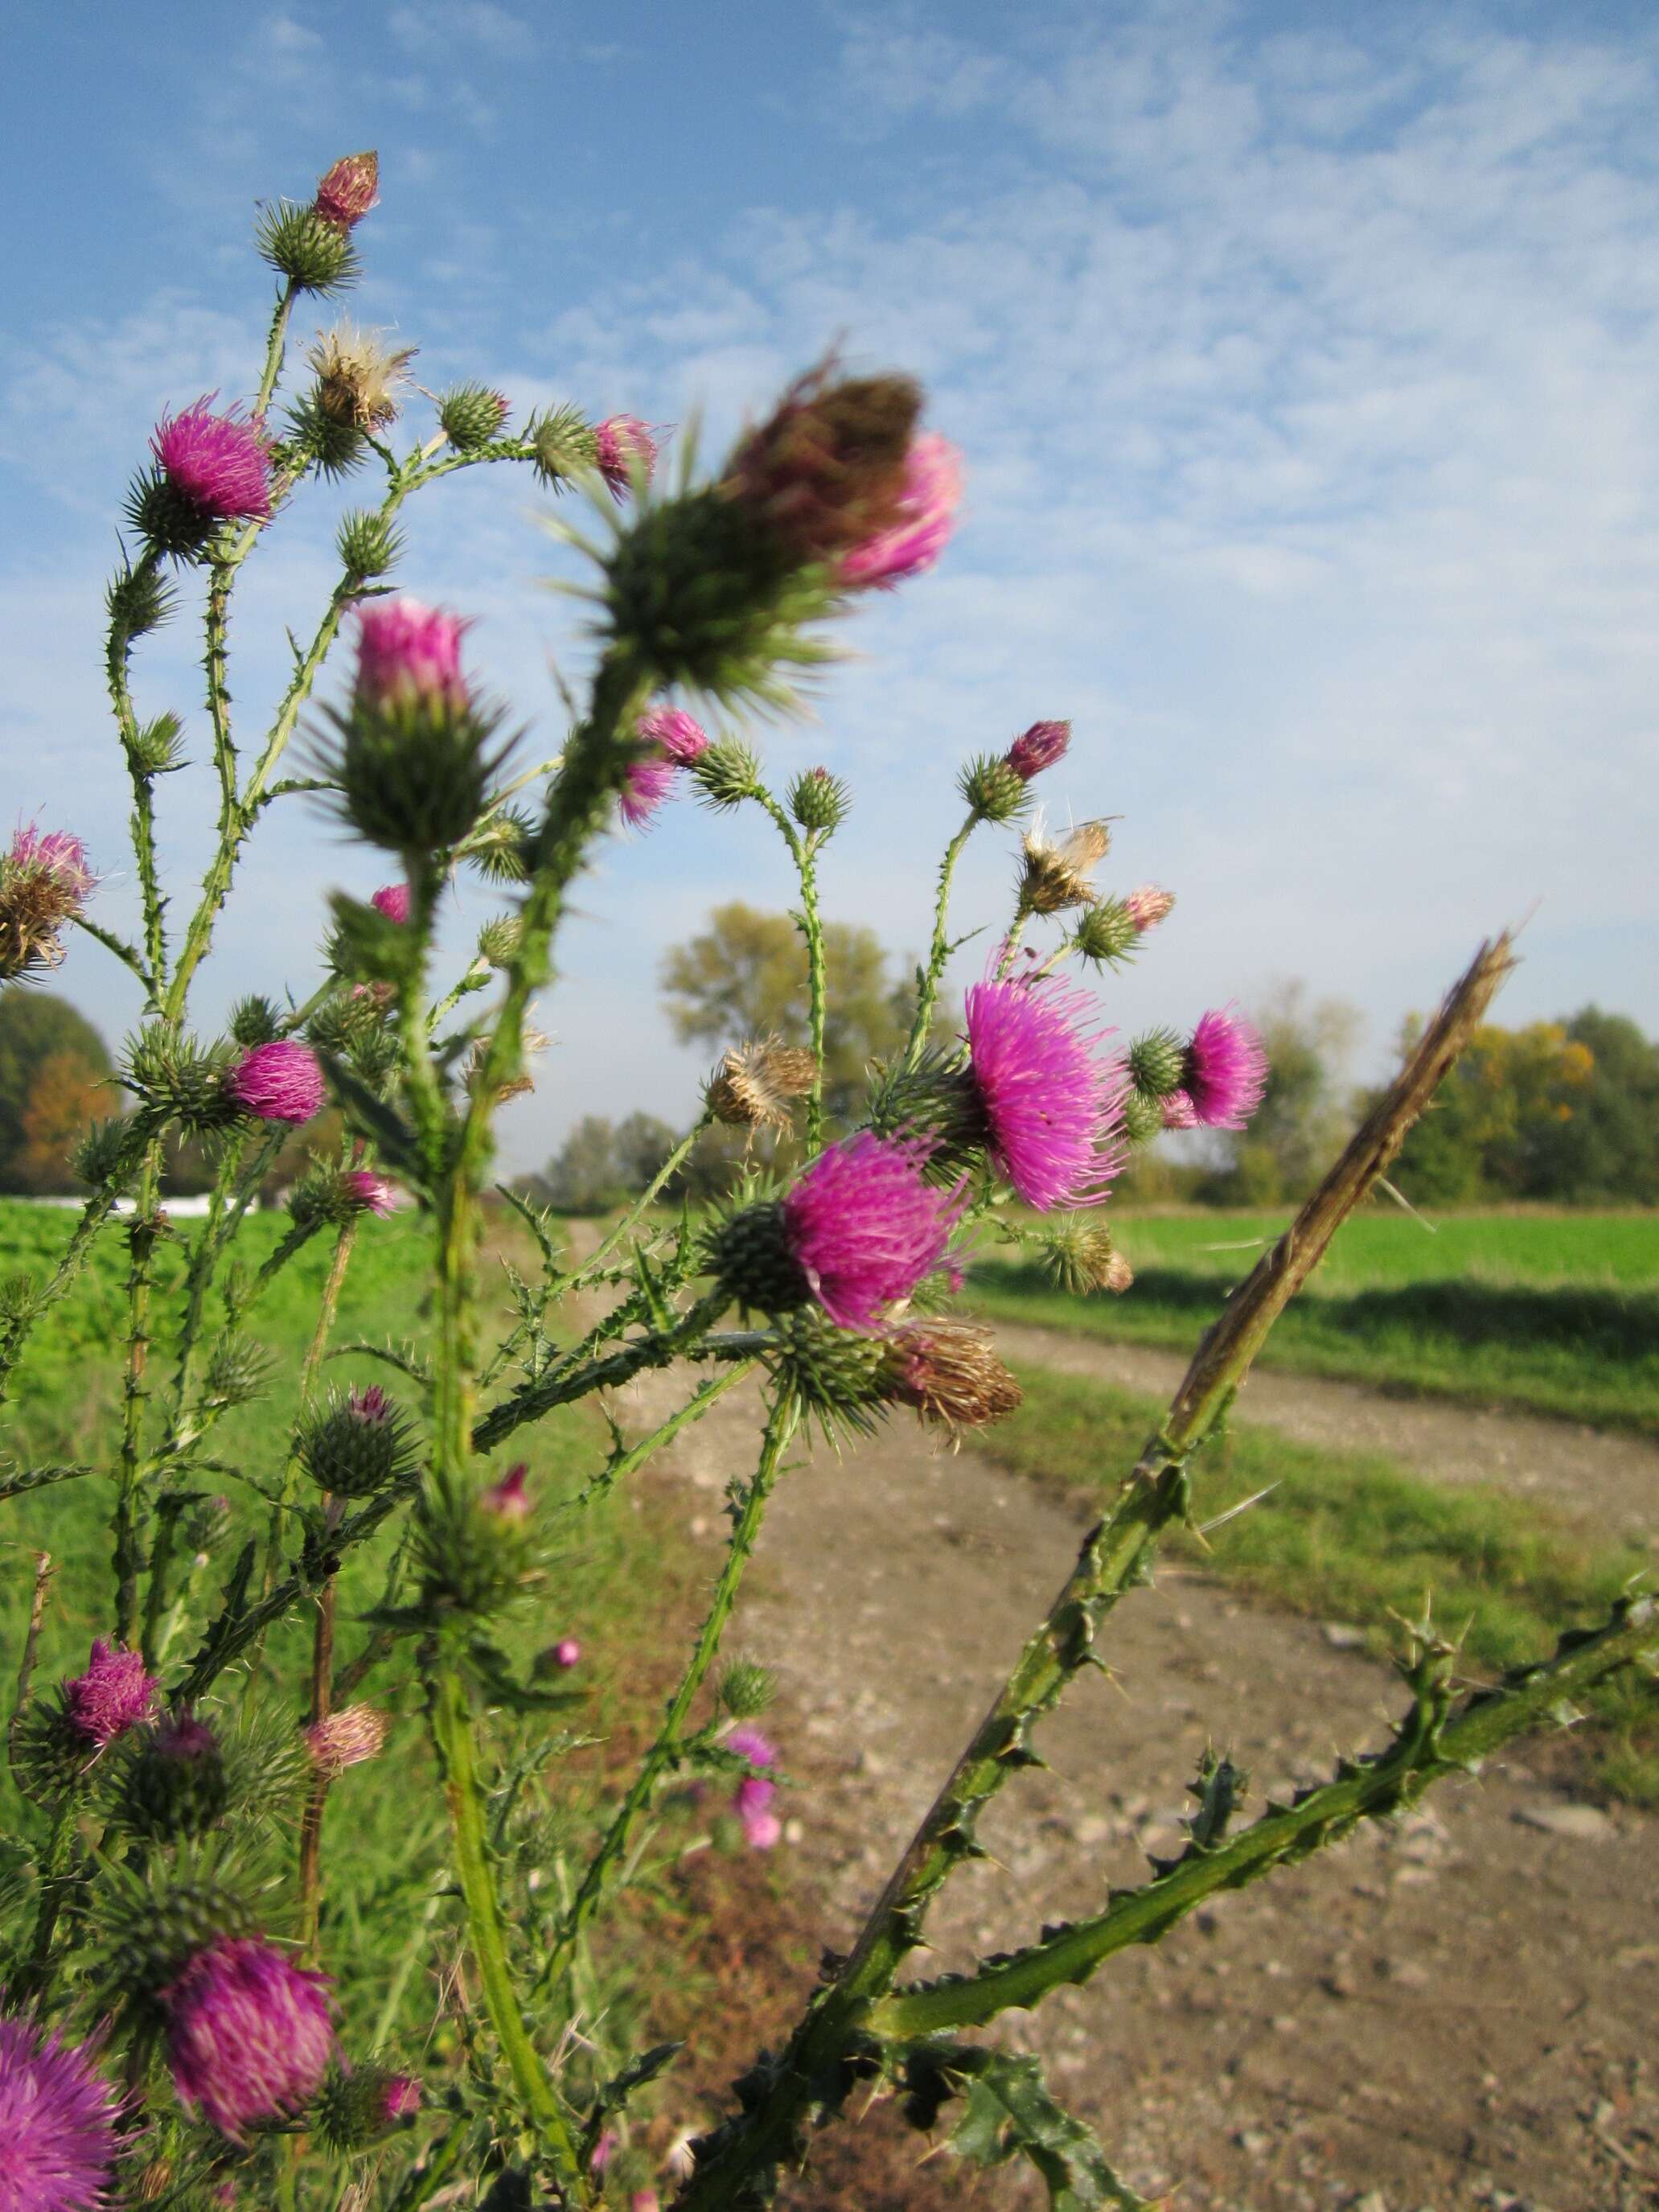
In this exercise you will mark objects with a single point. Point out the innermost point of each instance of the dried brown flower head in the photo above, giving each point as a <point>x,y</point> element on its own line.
<point>826,473</point>
<point>1056,874</point>
<point>358,377</point>
<point>754,1083</point>
<point>949,1371</point>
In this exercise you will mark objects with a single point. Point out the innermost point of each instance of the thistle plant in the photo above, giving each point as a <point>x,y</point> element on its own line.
<point>181,2022</point>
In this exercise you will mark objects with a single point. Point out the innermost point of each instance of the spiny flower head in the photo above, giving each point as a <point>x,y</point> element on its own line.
<point>927,506</point>
<point>60,2123</point>
<point>58,854</point>
<point>827,476</point>
<point>1080,1253</point>
<point>44,883</point>
<point>948,1370</point>
<point>217,463</point>
<point>1058,872</point>
<point>358,377</point>
<point>510,1499</point>
<point>1147,905</point>
<point>673,740</point>
<point>1225,1072</point>
<point>249,2034</point>
<point>1052,1103</point>
<point>408,652</point>
<point>368,1192</point>
<point>346,1738</point>
<point>1038,748</point>
<point>865,1227</point>
<point>752,1799</point>
<point>623,447</point>
<point>754,1083</point>
<point>392,899</point>
<point>278,1082</point>
<point>351,187</point>
<point>114,1694</point>
<point>368,1403</point>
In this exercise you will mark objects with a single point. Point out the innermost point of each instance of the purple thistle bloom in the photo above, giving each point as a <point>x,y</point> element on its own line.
<point>392,899</point>
<point>681,736</point>
<point>351,187</point>
<point>217,462</point>
<point>1179,1112</point>
<point>748,1743</point>
<point>678,739</point>
<point>933,492</point>
<point>58,854</point>
<point>372,1192</point>
<point>248,2034</point>
<point>278,1082</point>
<point>400,2098</point>
<point>510,1499</point>
<point>369,1402</point>
<point>866,1227</point>
<point>567,1652</point>
<point>113,1695</point>
<point>1038,748</point>
<point>646,782</point>
<point>1053,1103</point>
<point>59,2124</point>
<point>1226,1070</point>
<point>1147,906</point>
<point>624,444</point>
<point>406,650</point>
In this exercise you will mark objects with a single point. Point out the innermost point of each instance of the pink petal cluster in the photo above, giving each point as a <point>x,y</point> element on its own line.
<point>114,1694</point>
<point>1147,906</point>
<point>933,492</point>
<point>401,2099</point>
<point>678,739</point>
<point>219,463</point>
<point>1038,748</point>
<point>369,1191</point>
<point>1053,1103</point>
<point>59,2124</point>
<point>278,1082</point>
<point>56,852</point>
<point>409,653</point>
<point>605,2150</point>
<point>369,1402</point>
<point>392,899</point>
<point>623,445</point>
<point>184,1738</point>
<point>1226,1072</point>
<point>752,1803</point>
<point>567,1652</point>
<point>510,1499</point>
<point>346,1738</point>
<point>249,2034</point>
<point>866,1227</point>
<point>351,187</point>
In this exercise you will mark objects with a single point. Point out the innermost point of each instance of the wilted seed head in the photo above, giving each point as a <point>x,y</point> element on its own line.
<point>1080,1254</point>
<point>825,475</point>
<point>358,377</point>
<point>471,415</point>
<point>345,1739</point>
<point>1056,874</point>
<point>532,1044</point>
<point>754,1083</point>
<point>948,1370</point>
<point>44,882</point>
<point>348,192</point>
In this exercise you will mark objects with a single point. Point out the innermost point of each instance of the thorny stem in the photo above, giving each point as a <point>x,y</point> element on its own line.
<point>142,1236</point>
<point>327,1306</point>
<point>531,1400</point>
<point>311,1821</point>
<point>803,851</point>
<point>630,1462</point>
<point>117,669</point>
<point>940,951</point>
<point>748,1513</point>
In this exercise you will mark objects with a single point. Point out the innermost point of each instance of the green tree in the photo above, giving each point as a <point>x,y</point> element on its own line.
<point>1496,1121</point>
<point>1605,1151</point>
<point>36,1028</point>
<point>603,1161</point>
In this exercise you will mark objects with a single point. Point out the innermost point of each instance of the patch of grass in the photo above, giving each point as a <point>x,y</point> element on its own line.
<point>1354,1537</point>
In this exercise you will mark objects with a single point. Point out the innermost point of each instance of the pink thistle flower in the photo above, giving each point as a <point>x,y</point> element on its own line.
<point>345,1739</point>
<point>1226,1070</point>
<point>113,1695</point>
<point>57,854</point>
<point>392,899</point>
<point>351,187</point>
<point>510,1499</point>
<point>1038,748</point>
<point>400,2100</point>
<point>1179,1111</point>
<point>605,2150</point>
<point>219,464</point>
<point>647,783</point>
<point>60,2123</point>
<point>750,1744</point>
<point>645,2200</point>
<point>1052,1105</point>
<point>369,1402</point>
<point>567,1652</point>
<point>678,739</point>
<point>865,1227</point>
<point>1147,906</point>
<point>762,1831</point>
<point>623,445</point>
<point>248,2034</point>
<point>933,492</point>
<point>370,1192</point>
<point>408,652</point>
<point>681,736</point>
<point>278,1082</point>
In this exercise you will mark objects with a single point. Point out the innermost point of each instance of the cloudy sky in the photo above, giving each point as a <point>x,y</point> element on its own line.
<point>1304,357</point>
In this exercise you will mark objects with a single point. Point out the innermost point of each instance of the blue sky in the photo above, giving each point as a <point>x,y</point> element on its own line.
<point>1305,359</point>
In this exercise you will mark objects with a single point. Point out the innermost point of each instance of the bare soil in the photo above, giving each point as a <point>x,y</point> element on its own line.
<point>1453,2010</point>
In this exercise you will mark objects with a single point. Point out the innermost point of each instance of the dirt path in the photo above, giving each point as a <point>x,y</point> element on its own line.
<point>1455,2011</point>
<point>1600,1477</point>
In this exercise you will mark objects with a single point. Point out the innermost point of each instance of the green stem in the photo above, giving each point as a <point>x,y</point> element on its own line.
<point>630,1462</point>
<point>274,343</point>
<point>647,1197</point>
<point>326,1309</point>
<point>939,950</point>
<point>803,851</point>
<point>94,1214</point>
<point>129,1550</point>
<point>532,1399</point>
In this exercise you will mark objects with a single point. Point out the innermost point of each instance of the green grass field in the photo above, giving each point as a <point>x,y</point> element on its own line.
<point>1354,1537</point>
<point>1546,1313</point>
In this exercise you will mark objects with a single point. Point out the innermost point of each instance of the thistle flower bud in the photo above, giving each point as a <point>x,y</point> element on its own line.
<point>369,1193</point>
<point>834,1376</point>
<point>334,449</point>
<point>44,882</point>
<point>138,599</point>
<point>819,801</point>
<point>1038,748</point>
<point>238,1371</point>
<point>499,939</point>
<point>1156,1062</point>
<point>1142,1117</point>
<point>356,2105</point>
<point>156,748</point>
<point>510,1499</point>
<point>754,1085</point>
<point>624,452</point>
<point>249,2034</point>
<point>103,1154</point>
<point>348,1738</point>
<point>254,1021</point>
<point>563,442</point>
<point>179,1080</point>
<point>746,1689</point>
<point>278,1082</point>
<point>393,901</point>
<point>1057,873</point>
<point>350,190</point>
<point>174,1783</point>
<point>475,1555</point>
<point>1147,906</point>
<point>994,791</point>
<point>727,774</point>
<point>1106,933</point>
<point>948,1370</point>
<point>358,377</point>
<point>936,1100</point>
<point>356,1446</point>
<point>368,545</point>
<point>567,1653</point>
<point>1080,1254</point>
<point>471,415</point>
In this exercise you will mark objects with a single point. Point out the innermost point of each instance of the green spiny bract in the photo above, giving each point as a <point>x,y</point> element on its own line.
<point>50,1758</point>
<point>1106,933</point>
<point>1143,1117</point>
<point>935,1100</point>
<point>335,448</point>
<point>726,774</point>
<point>995,792</point>
<point>498,940</point>
<point>168,522</point>
<point>351,2109</point>
<point>314,255</point>
<point>502,846</point>
<point>153,1929</point>
<point>156,748</point>
<point>369,545</point>
<point>356,1443</point>
<point>104,1154</point>
<point>1078,1252</point>
<point>414,774</point>
<point>238,1370</point>
<point>470,1561</point>
<point>819,801</point>
<point>750,1254</point>
<point>746,1689</point>
<point>698,595</point>
<point>1157,1062</point>
<point>343,1017</point>
<point>254,1020</point>
<point>471,415</point>
<point>366,947</point>
<point>836,1376</point>
<point>170,1782</point>
<point>179,1080</point>
<point>320,1198</point>
<point>563,444</point>
<point>139,599</point>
